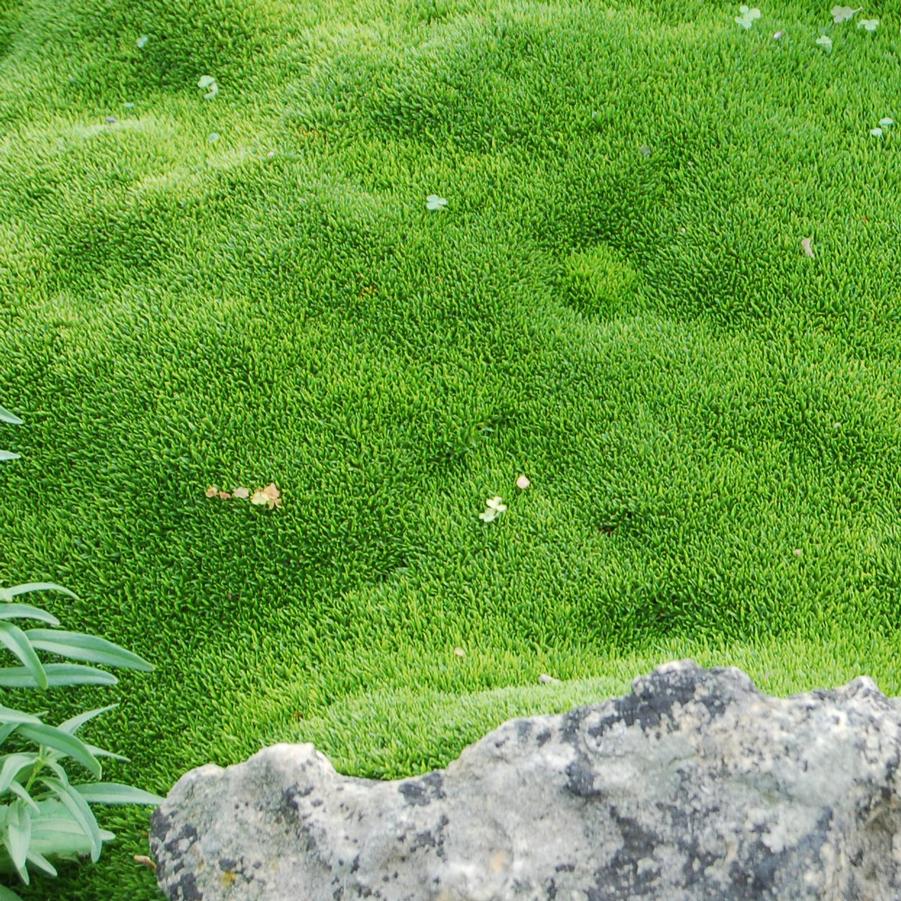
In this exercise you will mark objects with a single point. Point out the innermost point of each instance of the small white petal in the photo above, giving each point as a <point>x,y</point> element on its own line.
<point>522,483</point>
<point>876,132</point>
<point>886,122</point>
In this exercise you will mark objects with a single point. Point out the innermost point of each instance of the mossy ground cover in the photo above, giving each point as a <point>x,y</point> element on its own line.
<point>614,301</point>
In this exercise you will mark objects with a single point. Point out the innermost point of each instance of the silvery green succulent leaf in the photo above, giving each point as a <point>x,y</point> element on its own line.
<point>11,418</point>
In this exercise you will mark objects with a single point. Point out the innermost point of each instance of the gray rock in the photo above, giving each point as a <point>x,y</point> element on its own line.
<point>693,786</point>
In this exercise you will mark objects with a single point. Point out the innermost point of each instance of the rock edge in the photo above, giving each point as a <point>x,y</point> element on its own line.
<point>692,786</point>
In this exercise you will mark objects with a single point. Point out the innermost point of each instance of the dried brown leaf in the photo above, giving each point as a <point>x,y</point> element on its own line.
<point>269,496</point>
<point>224,496</point>
<point>242,493</point>
<point>212,491</point>
<point>273,493</point>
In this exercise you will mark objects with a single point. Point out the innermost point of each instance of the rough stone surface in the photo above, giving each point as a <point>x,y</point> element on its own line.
<point>693,786</point>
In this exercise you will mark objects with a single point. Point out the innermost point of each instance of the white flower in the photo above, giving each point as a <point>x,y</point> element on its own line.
<point>747,17</point>
<point>208,83</point>
<point>495,506</point>
<point>522,483</point>
<point>843,14</point>
<point>876,132</point>
<point>885,122</point>
<point>434,202</point>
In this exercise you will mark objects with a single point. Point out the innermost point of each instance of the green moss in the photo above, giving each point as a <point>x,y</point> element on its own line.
<point>614,302</point>
<point>600,282</point>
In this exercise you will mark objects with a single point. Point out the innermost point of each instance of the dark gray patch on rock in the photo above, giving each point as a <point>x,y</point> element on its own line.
<point>422,792</point>
<point>432,839</point>
<point>580,780</point>
<point>186,888</point>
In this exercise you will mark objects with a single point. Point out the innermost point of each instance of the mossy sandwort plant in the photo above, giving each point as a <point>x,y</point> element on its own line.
<point>255,287</point>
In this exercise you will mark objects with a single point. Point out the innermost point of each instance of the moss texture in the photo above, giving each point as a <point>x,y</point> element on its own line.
<point>614,301</point>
